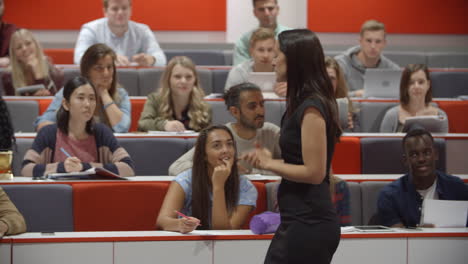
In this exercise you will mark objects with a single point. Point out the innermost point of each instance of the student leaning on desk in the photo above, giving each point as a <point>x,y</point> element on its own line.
<point>212,193</point>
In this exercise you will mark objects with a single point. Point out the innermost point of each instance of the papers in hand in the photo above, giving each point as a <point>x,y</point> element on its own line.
<point>443,213</point>
<point>170,133</point>
<point>90,174</point>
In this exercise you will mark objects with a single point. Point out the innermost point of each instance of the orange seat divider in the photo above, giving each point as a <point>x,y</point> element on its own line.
<point>60,56</point>
<point>137,108</point>
<point>456,112</point>
<point>261,203</point>
<point>117,206</point>
<point>43,104</point>
<point>347,156</point>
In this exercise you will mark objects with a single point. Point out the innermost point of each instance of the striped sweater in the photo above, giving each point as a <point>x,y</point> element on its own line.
<point>38,160</point>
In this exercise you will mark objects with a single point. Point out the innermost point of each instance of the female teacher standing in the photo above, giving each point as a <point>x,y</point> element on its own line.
<point>309,230</point>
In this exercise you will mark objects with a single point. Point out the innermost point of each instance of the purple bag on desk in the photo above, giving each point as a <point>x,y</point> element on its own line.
<point>265,223</point>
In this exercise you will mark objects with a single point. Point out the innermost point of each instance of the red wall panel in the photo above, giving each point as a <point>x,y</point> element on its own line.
<point>399,16</point>
<point>207,15</point>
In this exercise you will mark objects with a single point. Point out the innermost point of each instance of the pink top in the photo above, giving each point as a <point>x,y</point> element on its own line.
<point>85,149</point>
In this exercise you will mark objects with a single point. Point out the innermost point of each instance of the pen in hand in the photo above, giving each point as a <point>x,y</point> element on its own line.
<point>65,152</point>
<point>184,216</point>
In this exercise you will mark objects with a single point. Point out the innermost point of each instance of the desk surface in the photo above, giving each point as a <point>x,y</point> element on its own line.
<point>214,235</point>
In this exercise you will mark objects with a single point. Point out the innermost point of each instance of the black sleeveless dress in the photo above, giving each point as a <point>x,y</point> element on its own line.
<point>309,231</point>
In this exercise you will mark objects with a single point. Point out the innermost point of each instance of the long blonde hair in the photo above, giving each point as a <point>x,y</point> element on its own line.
<point>18,70</point>
<point>199,110</point>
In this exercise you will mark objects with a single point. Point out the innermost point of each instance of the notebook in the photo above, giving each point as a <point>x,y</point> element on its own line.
<point>266,81</point>
<point>90,174</point>
<point>382,83</point>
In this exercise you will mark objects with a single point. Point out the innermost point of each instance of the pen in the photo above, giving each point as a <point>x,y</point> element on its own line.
<point>184,216</point>
<point>65,152</point>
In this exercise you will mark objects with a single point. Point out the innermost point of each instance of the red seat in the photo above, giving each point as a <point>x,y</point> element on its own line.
<point>456,111</point>
<point>347,156</point>
<point>60,56</point>
<point>117,206</point>
<point>137,108</point>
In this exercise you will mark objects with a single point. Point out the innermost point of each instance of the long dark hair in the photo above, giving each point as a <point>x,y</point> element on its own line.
<point>7,134</point>
<point>63,116</point>
<point>307,75</point>
<point>201,181</point>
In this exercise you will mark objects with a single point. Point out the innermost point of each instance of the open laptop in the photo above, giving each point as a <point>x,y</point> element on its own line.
<point>382,83</point>
<point>266,81</point>
<point>432,123</point>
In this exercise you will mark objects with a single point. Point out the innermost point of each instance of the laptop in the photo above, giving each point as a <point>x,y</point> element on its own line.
<point>266,81</point>
<point>432,123</point>
<point>382,83</point>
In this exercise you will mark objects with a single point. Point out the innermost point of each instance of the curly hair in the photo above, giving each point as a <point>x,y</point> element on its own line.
<point>7,134</point>
<point>19,71</point>
<point>198,110</point>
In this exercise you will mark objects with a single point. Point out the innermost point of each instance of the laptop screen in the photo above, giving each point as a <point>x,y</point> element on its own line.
<point>382,83</point>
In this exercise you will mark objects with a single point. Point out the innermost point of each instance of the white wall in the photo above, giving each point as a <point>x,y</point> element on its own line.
<point>240,18</point>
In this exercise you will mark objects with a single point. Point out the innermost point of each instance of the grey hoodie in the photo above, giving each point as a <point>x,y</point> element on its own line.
<point>354,70</point>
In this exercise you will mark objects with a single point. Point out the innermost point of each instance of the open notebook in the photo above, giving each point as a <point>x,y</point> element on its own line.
<point>90,174</point>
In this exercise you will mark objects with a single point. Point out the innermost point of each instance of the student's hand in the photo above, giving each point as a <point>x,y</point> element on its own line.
<point>3,229</point>
<point>350,121</point>
<point>122,60</point>
<point>4,61</point>
<point>258,158</point>
<point>144,59</point>
<point>187,225</point>
<point>42,92</point>
<point>281,88</point>
<point>358,93</point>
<point>174,126</point>
<point>221,173</point>
<point>73,164</point>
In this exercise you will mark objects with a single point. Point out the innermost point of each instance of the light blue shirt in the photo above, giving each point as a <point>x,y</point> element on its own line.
<point>247,191</point>
<point>125,106</point>
<point>138,39</point>
<point>241,50</point>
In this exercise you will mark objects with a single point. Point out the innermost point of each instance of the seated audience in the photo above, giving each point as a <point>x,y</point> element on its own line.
<point>262,43</point>
<point>29,66</point>
<point>133,42</point>
<point>11,220</point>
<point>6,30</point>
<point>415,100</point>
<point>76,143</point>
<point>401,202</point>
<point>178,105</point>
<point>213,193</point>
<point>341,91</point>
<point>368,54</point>
<point>113,104</point>
<point>266,12</point>
<point>245,103</point>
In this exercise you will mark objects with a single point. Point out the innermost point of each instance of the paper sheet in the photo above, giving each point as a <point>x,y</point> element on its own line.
<point>443,213</point>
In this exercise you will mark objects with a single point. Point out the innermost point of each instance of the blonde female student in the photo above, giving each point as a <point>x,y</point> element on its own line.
<point>178,105</point>
<point>212,194</point>
<point>29,66</point>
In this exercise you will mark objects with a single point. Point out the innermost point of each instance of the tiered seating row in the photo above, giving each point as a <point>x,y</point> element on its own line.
<point>25,110</point>
<point>224,57</point>
<point>353,154</point>
<point>134,206</point>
